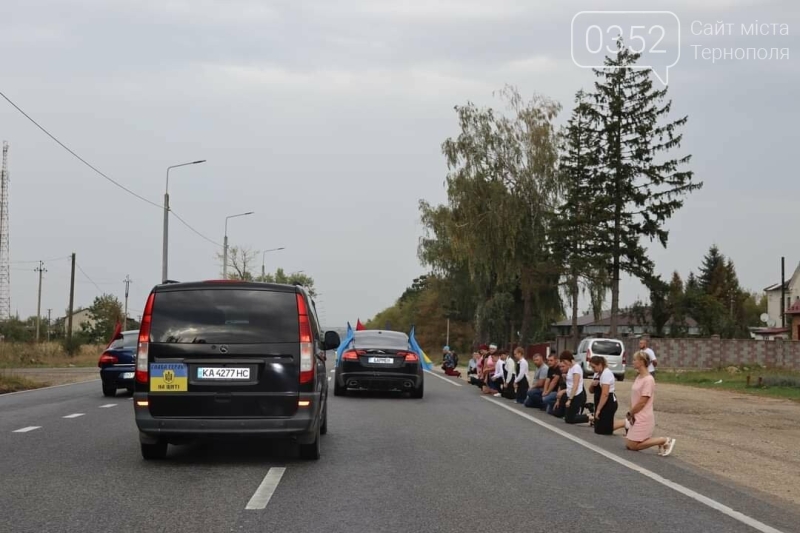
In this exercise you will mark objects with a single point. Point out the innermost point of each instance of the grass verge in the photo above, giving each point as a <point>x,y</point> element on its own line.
<point>45,355</point>
<point>11,383</point>
<point>775,383</point>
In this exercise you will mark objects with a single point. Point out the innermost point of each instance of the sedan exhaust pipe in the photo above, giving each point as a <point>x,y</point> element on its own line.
<point>352,384</point>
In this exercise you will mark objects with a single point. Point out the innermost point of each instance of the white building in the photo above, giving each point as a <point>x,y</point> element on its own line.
<point>792,295</point>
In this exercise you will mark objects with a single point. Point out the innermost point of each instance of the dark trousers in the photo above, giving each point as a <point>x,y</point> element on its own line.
<point>574,413</point>
<point>559,407</point>
<point>604,424</point>
<point>534,398</point>
<point>522,390</point>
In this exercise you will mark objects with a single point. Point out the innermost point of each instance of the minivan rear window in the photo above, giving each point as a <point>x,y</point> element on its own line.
<point>606,348</point>
<point>229,316</point>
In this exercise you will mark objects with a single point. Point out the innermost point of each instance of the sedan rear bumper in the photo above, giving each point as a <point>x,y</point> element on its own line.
<point>380,380</point>
<point>116,375</point>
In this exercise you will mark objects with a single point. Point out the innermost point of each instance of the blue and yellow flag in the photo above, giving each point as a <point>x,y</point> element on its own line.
<point>427,364</point>
<point>345,343</point>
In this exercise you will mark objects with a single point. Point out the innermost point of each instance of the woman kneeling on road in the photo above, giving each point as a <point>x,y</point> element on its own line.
<point>576,395</point>
<point>642,422</point>
<point>605,400</point>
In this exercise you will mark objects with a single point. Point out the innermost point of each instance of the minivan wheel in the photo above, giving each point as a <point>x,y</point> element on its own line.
<point>311,451</point>
<point>109,390</point>
<point>620,377</point>
<point>154,451</point>
<point>323,428</point>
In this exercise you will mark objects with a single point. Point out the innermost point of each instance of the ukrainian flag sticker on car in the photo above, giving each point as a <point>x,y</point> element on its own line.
<point>169,377</point>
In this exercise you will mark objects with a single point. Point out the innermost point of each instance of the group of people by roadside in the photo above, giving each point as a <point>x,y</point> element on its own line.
<point>556,385</point>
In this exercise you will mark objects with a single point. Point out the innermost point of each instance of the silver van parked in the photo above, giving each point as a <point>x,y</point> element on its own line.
<point>612,349</point>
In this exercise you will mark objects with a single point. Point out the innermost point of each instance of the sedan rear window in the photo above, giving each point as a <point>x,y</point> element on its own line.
<point>392,340</point>
<point>606,348</point>
<point>229,316</point>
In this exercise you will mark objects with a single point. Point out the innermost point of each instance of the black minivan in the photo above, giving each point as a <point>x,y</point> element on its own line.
<point>231,359</point>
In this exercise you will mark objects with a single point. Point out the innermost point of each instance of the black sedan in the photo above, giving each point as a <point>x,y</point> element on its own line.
<point>379,360</point>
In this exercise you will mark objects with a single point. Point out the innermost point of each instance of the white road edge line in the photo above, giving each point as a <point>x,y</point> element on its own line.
<point>106,406</point>
<point>74,415</point>
<point>443,378</point>
<point>27,429</point>
<point>50,387</point>
<point>724,509</point>
<point>267,488</point>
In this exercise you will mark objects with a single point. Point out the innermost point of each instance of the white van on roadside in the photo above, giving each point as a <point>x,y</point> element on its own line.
<point>612,349</point>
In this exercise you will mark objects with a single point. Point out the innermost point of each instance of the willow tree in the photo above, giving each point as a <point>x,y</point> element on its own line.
<point>502,188</point>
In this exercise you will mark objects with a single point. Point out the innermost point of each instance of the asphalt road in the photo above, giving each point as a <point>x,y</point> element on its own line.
<point>452,462</point>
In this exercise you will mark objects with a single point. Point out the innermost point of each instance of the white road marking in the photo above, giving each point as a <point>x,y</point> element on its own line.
<point>443,378</point>
<point>267,488</point>
<point>27,429</point>
<point>333,371</point>
<point>50,387</point>
<point>329,378</point>
<point>705,500</point>
<point>74,415</point>
<point>106,406</point>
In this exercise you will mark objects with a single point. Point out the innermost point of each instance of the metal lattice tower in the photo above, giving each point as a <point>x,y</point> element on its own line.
<point>5,267</point>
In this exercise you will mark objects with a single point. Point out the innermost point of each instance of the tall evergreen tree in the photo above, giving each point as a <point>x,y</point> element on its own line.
<point>639,186</point>
<point>711,263</point>
<point>676,304</point>
<point>573,226</point>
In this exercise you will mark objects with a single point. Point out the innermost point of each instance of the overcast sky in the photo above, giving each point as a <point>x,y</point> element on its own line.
<point>326,118</point>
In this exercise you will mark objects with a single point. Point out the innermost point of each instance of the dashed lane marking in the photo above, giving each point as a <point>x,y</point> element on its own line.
<point>27,429</point>
<point>267,488</point>
<point>106,406</point>
<point>74,415</point>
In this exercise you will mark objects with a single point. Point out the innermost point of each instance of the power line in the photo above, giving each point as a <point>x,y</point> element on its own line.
<point>42,260</point>
<point>108,178</point>
<point>194,230</point>
<point>90,279</point>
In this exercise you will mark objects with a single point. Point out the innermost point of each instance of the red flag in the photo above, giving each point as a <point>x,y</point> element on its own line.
<point>360,326</point>
<point>117,334</point>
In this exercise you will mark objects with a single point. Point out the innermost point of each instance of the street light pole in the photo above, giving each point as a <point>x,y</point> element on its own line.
<point>165,237</point>
<point>263,271</point>
<point>225,243</point>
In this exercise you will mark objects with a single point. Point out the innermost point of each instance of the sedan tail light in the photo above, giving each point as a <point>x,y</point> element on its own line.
<point>411,357</point>
<point>107,359</point>
<point>352,355</point>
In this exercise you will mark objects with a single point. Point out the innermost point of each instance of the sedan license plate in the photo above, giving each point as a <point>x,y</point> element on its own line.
<point>223,373</point>
<point>127,375</point>
<point>382,360</point>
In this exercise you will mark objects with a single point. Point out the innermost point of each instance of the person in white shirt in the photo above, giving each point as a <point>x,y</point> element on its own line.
<point>510,375</point>
<point>651,356</point>
<point>575,393</point>
<point>605,400</point>
<point>521,381</point>
<point>498,376</point>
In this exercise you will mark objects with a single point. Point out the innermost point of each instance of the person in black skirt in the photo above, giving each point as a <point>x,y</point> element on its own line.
<point>521,381</point>
<point>605,400</point>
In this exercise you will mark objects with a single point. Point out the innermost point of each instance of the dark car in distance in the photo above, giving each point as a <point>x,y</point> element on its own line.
<point>117,363</point>
<point>220,359</point>
<point>379,360</point>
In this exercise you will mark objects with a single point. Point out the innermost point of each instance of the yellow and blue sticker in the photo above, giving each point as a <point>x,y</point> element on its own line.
<point>169,377</point>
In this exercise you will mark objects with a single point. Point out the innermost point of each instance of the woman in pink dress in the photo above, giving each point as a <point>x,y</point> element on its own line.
<point>641,421</point>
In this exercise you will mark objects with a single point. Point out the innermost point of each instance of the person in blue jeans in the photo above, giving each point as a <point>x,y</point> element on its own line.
<point>534,398</point>
<point>552,385</point>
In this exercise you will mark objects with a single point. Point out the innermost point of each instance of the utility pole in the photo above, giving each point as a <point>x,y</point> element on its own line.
<point>48,324</point>
<point>448,332</point>
<point>41,270</point>
<point>71,302</point>
<point>127,282</point>
<point>783,292</point>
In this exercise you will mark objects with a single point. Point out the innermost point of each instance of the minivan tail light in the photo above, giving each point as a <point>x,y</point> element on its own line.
<point>624,358</point>
<point>143,347</point>
<point>306,343</point>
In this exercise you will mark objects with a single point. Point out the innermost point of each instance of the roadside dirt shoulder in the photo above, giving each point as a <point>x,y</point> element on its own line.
<point>747,439</point>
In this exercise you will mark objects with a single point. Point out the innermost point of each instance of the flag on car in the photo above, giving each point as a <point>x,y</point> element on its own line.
<point>116,335</point>
<point>360,326</point>
<point>427,364</point>
<point>348,338</point>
